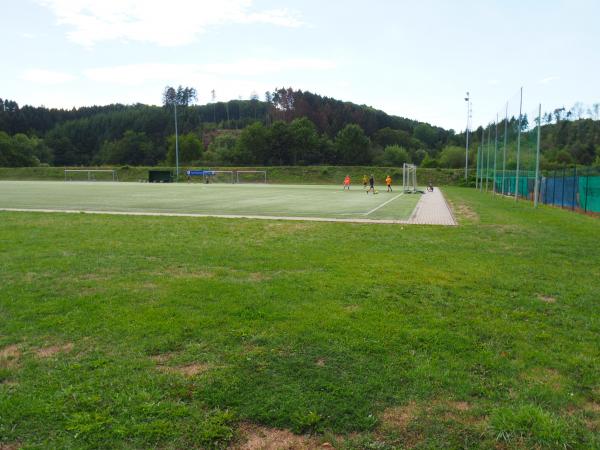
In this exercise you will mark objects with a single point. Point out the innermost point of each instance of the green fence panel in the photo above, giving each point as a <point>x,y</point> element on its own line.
<point>589,193</point>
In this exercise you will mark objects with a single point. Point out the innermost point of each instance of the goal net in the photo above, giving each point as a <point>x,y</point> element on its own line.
<point>251,176</point>
<point>91,175</point>
<point>219,176</point>
<point>409,178</point>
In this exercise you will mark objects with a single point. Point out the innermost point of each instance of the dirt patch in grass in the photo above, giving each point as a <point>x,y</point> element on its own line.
<point>183,272</point>
<point>258,276</point>
<point>592,407</point>
<point>463,211</point>
<point>254,437</point>
<point>10,446</point>
<point>163,357</point>
<point>547,377</point>
<point>320,362</point>
<point>546,298</point>
<point>400,416</point>
<point>592,421</point>
<point>351,308</point>
<point>188,370</point>
<point>47,352</point>
<point>9,356</point>
<point>460,406</point>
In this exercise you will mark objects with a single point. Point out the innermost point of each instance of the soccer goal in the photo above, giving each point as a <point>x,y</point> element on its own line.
<point>91,175</point>
<point>219,176</point>
<point>409,178</point>
<point>251,176</point>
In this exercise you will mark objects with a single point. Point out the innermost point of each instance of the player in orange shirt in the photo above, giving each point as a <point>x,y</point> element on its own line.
<point>388,182</point>
<point>347,182</point>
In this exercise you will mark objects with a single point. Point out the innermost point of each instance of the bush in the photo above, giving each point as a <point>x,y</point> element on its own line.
<point>394,155</point>
<point>452,157</point>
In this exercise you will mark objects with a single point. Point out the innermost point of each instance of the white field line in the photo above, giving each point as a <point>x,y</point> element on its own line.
<point>383,204</point>
<point>221,216</point>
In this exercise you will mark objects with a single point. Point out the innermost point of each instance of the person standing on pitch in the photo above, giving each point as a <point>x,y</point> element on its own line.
<point>347,182</point>
<point>371,184</point>
<point>365,182</point>
<point>388,182</point>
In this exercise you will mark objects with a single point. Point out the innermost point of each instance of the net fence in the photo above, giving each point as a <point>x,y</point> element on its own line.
<point>576,188</point>
<point>508,157</point>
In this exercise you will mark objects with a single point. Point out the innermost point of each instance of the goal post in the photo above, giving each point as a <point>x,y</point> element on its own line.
<point>91,175</point>
<point>409,178</point>
<point>219,176</point>
<point>251,176</point>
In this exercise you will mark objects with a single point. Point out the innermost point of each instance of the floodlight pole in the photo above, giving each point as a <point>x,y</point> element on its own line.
<point>519,146</point>
<point>176,145</point>
<point>468,100</point>
<point>536,189</point>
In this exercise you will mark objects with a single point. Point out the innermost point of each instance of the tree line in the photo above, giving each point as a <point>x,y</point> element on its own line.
<point>290,127</point>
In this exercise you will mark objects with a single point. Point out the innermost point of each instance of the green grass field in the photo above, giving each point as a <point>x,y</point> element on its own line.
<point>170,332</point>
<point>228,199</point>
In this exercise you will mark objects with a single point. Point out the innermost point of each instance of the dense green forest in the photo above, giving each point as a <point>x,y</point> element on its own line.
<point>288,127</point>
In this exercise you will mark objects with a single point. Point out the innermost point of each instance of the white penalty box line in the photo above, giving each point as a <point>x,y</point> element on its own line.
<point>383,204</point>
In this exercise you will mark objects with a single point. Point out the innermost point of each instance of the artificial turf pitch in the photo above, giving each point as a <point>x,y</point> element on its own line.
<point>177,333</point>
<point>318,201</point>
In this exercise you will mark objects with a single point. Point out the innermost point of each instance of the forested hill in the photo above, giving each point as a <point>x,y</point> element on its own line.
<point>142,134</point>
<point>287,128</point>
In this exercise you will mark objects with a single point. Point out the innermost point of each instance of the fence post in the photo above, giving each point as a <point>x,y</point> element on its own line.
<point>562,197</point>
<point>487,170</point>
<point>587,182</point>
<point>477,171</point>
<point>519,146</point>
<point>494,190</point>
<point>504,148</point>
<point>481,172</point>
<point>574,184</point>
<point>536,189</point>
<point>554,188</point>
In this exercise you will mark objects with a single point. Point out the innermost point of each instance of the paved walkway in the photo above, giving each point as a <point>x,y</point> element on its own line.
<point>432,209</point>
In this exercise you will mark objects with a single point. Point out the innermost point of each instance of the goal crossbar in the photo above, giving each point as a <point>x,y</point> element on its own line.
<point>90,172</point>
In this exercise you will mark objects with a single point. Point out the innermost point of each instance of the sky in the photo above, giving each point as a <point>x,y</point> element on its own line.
<point>415,59</point>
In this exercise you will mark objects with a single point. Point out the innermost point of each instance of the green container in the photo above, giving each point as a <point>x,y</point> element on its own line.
<point>160,176</point>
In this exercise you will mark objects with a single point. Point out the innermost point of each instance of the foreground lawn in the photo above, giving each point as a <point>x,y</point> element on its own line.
<point>142,332</point>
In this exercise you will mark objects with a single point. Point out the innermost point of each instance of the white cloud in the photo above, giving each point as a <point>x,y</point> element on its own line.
<point>167,23</point>
<point>44,76</point>
<point>230,80</point>
<point>549,79</point>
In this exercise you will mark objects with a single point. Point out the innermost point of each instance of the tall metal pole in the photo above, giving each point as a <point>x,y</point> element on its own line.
<point>468,100</point>
<point>176,145</point>
<point>495,156</point>
<point>481,171</point>
<point>477,171</point>
<point>487,170</point>
<point>504,150</point>
<point>536,189</point>
<point>519,146</point>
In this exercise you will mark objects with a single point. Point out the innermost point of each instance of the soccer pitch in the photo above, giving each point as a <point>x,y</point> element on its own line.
<point>328,202</point>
